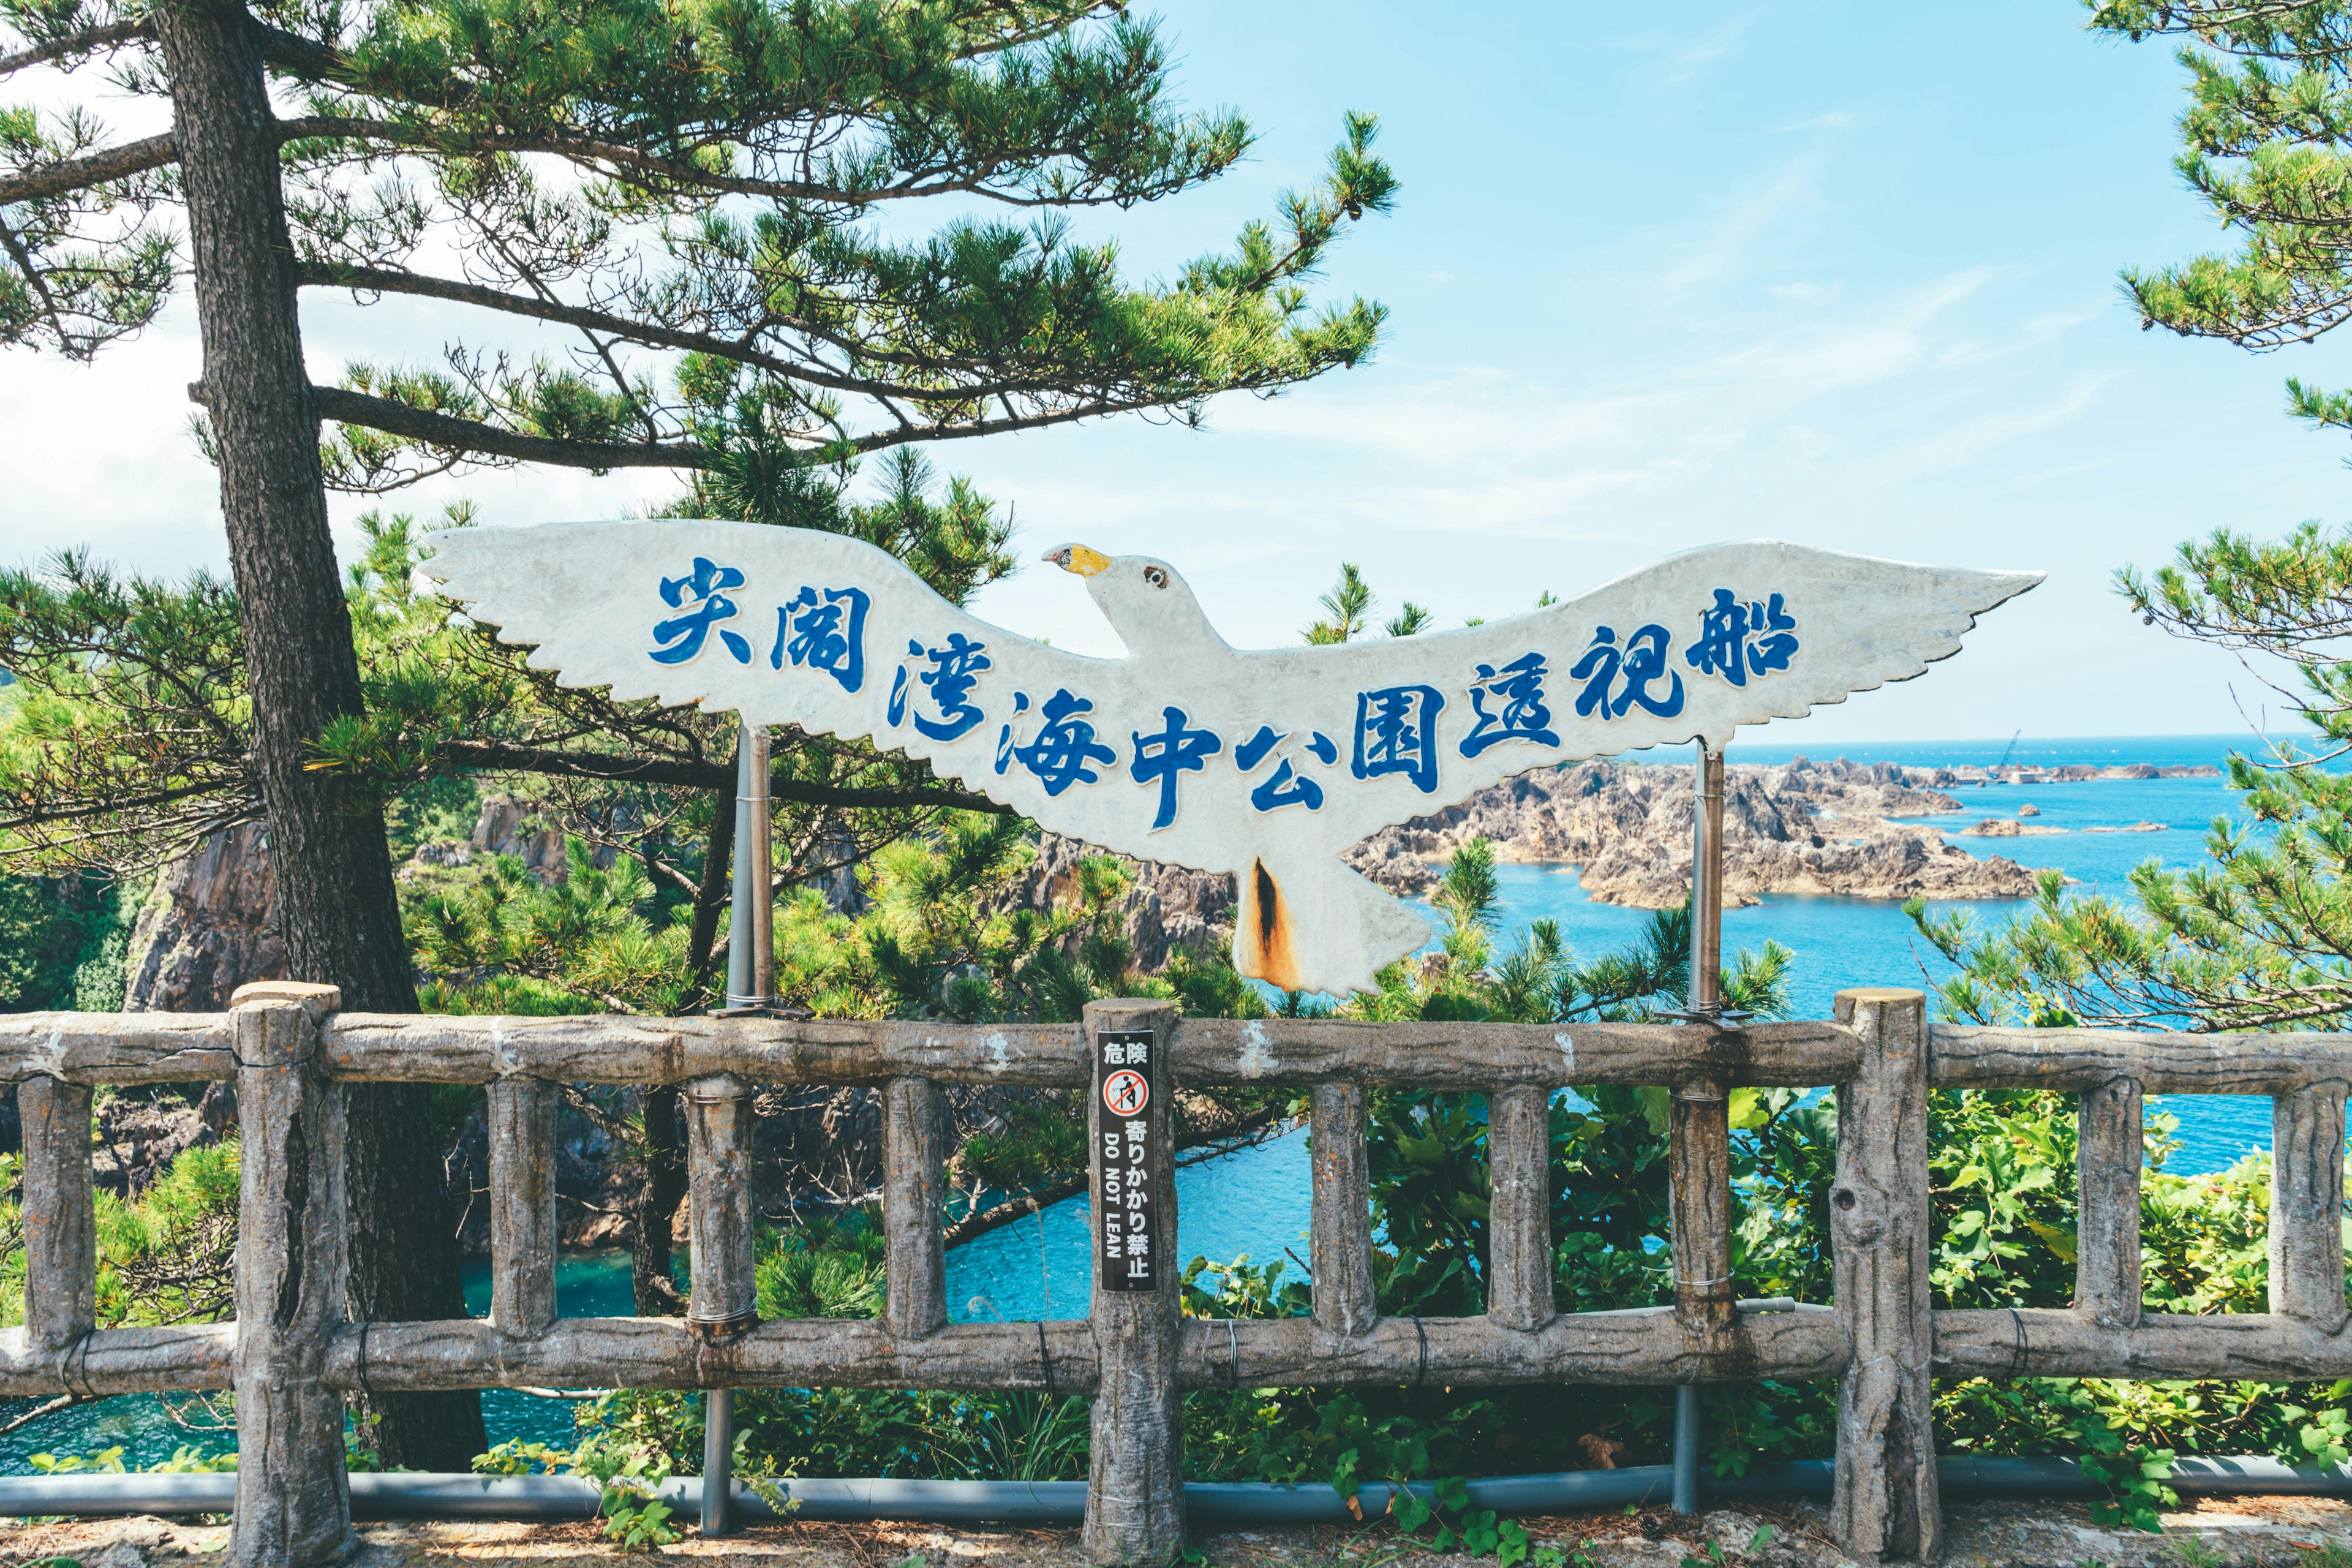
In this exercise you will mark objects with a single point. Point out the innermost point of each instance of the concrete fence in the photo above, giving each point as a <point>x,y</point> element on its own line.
<point>290,1355</point>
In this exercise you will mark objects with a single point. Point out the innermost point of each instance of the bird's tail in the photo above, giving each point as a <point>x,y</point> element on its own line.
<point>1318,926</point>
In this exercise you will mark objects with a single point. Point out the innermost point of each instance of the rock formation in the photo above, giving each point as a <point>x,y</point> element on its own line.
<point>2002,827</point>
<point>210,925</point>
<point>1800,827</point>
<point>509,827</point>
<point>1165,908</point>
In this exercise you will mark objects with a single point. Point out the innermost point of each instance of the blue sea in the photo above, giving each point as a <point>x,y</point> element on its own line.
<point>1256,1202</point>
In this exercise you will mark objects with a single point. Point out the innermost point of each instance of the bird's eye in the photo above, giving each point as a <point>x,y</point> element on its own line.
<point>1156,576</point>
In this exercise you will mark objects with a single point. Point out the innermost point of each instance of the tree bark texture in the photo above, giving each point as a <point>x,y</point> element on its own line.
<point>2030,1342</point>
<point>293,1499</point>
<point>2306,1240</point>
<point>914,1190</point>
<point>724,1295</point>
<point>716,885</point>
<point>838,1052</point>
<point>1885,1505</point>
<point>60,1218</point>
<point>1698,1158</point>
<point>338,913</point>
<point>523,1113</point>
<point>1135,1480</point>
<point>1339,1228</point>
<point>1518,1210</point>
<point>662,1189</point>
<point>1970,1056</point>
<point>1637,1349</point>
<point>2108,1159</point>
<point>365,1047</point>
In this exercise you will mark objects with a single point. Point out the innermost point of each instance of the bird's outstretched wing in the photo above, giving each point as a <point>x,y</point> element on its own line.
<point>1200,756</point>
<point>1693,647</point>
<point>785,626</point>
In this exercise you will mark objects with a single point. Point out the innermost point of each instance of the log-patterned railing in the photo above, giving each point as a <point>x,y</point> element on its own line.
<point>290,1356</point>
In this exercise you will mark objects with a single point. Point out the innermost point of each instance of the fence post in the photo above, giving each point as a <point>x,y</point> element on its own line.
<point>1518,1222</point>
<point>1698,1149</point>
<point>1885,1505</point>
<point>522,1113</point>
<point>914,1150</point>
<point>60,1219</point>
<point>723,1291</point>
<point>2108,1154</point>
<point>1339,1228</point>
<point>1135,1483</point>
<point>2307,1205</point>
<point>293,1499</point>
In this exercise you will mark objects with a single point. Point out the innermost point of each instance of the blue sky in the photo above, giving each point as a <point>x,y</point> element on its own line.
<point>1838,273</point>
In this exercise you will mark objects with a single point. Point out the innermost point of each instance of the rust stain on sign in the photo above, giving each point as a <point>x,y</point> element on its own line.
<point>1264,929</point>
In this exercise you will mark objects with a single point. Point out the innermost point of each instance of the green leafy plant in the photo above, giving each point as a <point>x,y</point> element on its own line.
<point>2134,1475</point>
<point>627,1472</point>
<point>1475,1532</point>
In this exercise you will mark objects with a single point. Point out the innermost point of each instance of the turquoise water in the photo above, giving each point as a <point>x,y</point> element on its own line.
<point>1255,1201</point>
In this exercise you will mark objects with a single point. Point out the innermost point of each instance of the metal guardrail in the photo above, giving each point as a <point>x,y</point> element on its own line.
<point>290,1355</point>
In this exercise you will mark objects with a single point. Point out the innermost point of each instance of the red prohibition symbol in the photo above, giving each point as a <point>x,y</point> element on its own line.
<point>1126,1093</point>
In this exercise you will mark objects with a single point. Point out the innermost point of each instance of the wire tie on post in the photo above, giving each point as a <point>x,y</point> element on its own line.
<point>1421,1373</point>
<point>1045,1359</point>
<point>1233,1340</point>
<point>365,1326</point>
<point>81,1346</point>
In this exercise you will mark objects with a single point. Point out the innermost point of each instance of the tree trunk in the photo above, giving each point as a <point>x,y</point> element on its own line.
<point>664,1180</point>
<point>338,913</point>
<point>650,1276</point>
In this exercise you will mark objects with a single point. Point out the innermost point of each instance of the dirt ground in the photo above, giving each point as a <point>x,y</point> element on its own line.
<point>2270,1532</point>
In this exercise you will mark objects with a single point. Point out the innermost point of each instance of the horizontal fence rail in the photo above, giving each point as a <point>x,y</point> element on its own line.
<point>290,1356</point>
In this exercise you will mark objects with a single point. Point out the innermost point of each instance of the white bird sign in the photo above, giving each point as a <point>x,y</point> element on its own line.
<point>1266,763</point>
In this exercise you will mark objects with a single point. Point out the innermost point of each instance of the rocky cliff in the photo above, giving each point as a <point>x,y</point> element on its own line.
<point>1167,907</point>
<point>1803,827</point>
<point>210,925</point>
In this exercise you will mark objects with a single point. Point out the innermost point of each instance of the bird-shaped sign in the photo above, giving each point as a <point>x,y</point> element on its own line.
<point>1266,763</point>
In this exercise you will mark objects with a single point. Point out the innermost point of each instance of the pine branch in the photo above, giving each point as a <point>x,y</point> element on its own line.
<point>607,158</point>
<point>74,43</point>
<point>301,56</point>
<point>381,281</point>
<point>97,169</point>
<point>451,434</point>
<point>1094,409</point>
<point>504,757</point>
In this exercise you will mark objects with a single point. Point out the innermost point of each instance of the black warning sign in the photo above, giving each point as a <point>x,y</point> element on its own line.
<point>1127,1163</point>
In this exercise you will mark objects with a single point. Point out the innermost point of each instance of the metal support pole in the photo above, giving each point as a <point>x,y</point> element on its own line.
<point>751,944</point>
<point>1687,1442</point>
<point>1699,1159</point>
<point>750,985</point>
<point>719,1462</point>
<point>1706,885</point>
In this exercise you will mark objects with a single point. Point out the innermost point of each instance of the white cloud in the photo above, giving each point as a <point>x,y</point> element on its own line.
<point>1966,443</point>
<point>1689,62</point>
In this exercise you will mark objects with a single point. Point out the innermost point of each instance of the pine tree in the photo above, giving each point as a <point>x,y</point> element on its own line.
<point>2257,936</point>
<point>686,188</point>
<point>2266,142</point>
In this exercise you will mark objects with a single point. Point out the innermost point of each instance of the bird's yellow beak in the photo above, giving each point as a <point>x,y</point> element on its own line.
<point>1077,558</point>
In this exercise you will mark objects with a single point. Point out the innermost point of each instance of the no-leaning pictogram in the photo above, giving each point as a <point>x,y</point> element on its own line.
<point>1126,1093</point>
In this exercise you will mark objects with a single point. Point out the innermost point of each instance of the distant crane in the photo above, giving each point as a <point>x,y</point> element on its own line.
<point>2005,752</point>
